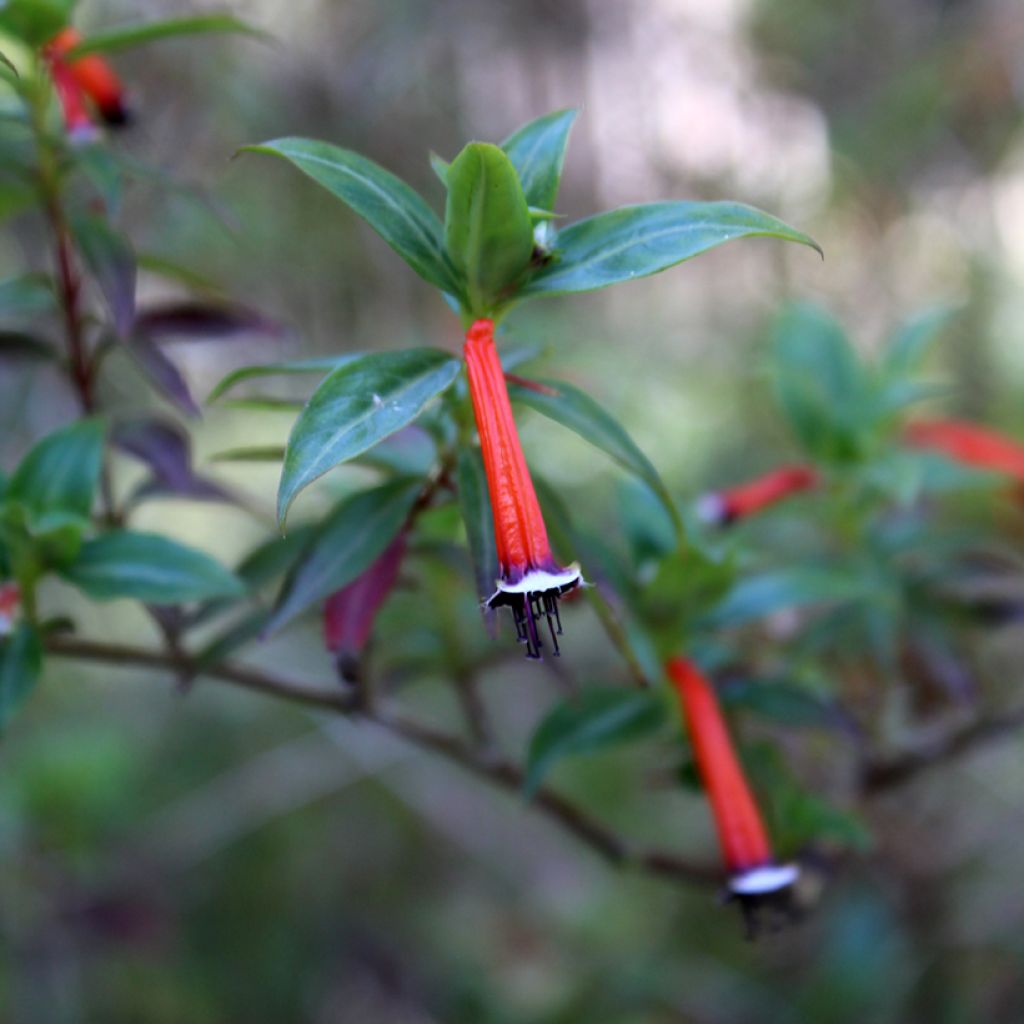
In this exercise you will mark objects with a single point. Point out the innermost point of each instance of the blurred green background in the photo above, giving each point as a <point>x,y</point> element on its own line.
<point>221,857</point>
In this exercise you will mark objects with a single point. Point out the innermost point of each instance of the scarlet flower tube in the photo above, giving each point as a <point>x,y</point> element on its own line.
<point>94,77</point>
<point>530,580</point>
<point>10,599</point>
<point>77,123</point>
<point>754,877</point>
<point>969,443</point>
<point>724,507</point>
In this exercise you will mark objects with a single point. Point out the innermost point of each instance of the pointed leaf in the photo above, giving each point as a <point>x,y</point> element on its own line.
<point>487,226</point>
<point>61,473</point>
<point>595,720</point>
<point>321,366</point>
<point>636,241</point>
<point>163,374</point>
<point>347,543</point>
<point>358,405</point>
<point>150,568</point>
<point>111,262</point>
<point>440,167</point>
<point>537,151</point>
<point>21,660</point>
<point>475,505</point>
<point>128,36</point>
<point>385,202</point>
<point>203,320</point>
<point>576,410</point>
<point>908,345</point>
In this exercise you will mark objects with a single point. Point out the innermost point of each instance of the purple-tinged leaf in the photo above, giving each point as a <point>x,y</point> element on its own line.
<point>166,449</point>
<point>111,262</point>
<point>163,375</point>
<point>202,320</point>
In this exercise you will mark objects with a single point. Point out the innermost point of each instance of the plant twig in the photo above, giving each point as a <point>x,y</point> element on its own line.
<point>498,770</point>
<point>886,773</point>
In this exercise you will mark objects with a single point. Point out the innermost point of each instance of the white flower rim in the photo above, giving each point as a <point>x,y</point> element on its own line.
<point>536,581</point>
<point>710,508</point>
<point>769,878</point>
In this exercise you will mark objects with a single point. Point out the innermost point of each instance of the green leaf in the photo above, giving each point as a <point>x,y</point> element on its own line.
<point>821,384</point>
<point>358,405</point>
<point>128,36</point>
<point>321,366</point>
<point>908,345</point>
<point>21,661</point>
<point>150,568</point>
<point>111,262</point>
<point>440,167</point>
<point>794,706</point>
<point>595,720</point>
<point>347,543</point>
<point>537,151</point>
<point>35,22</point>
<point>25,296</point>
<point>385,202</point>
<point>757,596</point>
<point>59,476</point>
<point>475,507</point>
<point>487,226</point>
<point>576,410</point>
<point>9,64</point>
<point>635,241</point>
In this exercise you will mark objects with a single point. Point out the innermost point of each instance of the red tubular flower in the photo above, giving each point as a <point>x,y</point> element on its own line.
<point>349,613</point>
<point>723,507</point>
<point>531,580</point>
<point>94,77</point>
<point>10,598</point>
<point>968,443</point>
<point>77,122</point>
<point>754,877</point>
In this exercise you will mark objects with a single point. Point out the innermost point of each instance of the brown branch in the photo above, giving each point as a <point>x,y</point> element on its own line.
<point>496,769</point>
<point>887,773</point>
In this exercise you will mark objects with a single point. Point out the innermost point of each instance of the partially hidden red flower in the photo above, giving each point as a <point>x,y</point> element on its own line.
<point>754,877</point>
<point>969,443</point>
<point>77,122</point>
<point>349,613</point>
<point>724,507</point>
<point>94,77</point>
<point>531,581</point>
<point>10,599</point>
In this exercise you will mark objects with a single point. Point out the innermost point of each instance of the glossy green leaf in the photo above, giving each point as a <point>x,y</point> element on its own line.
<point>576,410</point>
<point>21,661</point>
<point>754,597</point>
<point>59,476</point>
<point>25,296</point>
<point>537,151</point>
<point>129,36</point>
<point>487,226</point>
<point>385,202</point>
<point>475,506</point>
<point>346,544</point>
<point>296,367</point>
<point>595,720</point>
<point>111,261</point>
<point>636,241</point>
<point>150,568</point>
<point>358,405</point>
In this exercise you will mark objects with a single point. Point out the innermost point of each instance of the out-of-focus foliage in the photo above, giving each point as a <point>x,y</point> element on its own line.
<point>218,855</point>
